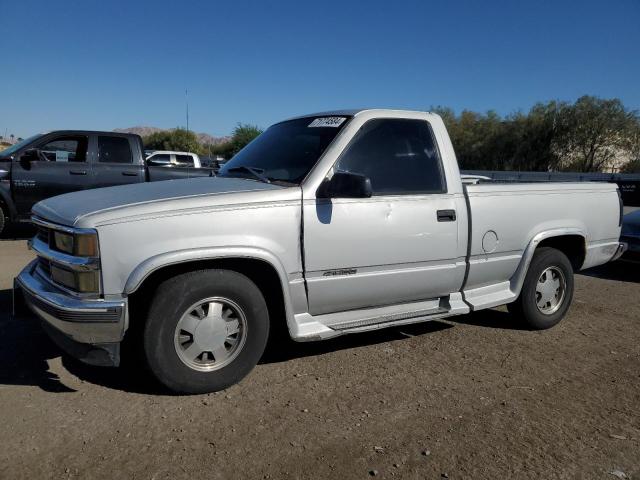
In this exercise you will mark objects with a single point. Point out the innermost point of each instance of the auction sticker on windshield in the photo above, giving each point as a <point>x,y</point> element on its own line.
<point>327,122</point>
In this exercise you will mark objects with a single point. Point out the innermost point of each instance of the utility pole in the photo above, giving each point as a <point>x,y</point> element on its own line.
<point>186,98</point>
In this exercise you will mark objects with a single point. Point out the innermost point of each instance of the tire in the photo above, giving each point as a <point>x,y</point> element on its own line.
<point>201,311</point>
<point>543,305</point>
<point>3,218</point>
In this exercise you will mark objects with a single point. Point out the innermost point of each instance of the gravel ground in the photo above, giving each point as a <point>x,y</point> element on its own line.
<point>471,397</point>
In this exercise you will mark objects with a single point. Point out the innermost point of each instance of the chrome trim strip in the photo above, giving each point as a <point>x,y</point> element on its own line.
<point>61,228</point>
<point>81,264</point>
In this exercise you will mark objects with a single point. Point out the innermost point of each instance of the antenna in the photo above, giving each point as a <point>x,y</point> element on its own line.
<point>186,98</point>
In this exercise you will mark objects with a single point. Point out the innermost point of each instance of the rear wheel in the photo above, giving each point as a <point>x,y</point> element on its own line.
<point>547,290</point>
<point>205,331</point>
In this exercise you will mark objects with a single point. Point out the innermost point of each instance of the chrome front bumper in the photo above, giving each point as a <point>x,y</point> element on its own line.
<point>87,329</point>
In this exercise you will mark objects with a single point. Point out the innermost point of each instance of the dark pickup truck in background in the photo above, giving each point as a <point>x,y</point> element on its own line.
<point>64,161</point>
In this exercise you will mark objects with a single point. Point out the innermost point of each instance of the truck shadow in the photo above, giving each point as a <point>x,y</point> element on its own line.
<point>621,270</point>
<point>281,348</point>
<point>25,350</point>
<point>490,318</point>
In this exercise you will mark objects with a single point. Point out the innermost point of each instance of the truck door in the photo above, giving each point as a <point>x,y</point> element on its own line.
<point>398,246</point>
<point>57,165</point>
<point>115,163</point>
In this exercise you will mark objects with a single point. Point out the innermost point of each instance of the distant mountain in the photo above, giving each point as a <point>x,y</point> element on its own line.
<point>203,138</point>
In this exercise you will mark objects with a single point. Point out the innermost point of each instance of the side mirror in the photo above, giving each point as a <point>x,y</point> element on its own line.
<point>345,185</point>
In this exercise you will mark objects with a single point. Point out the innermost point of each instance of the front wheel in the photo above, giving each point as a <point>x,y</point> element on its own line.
<point>547,290</point>
<point>205,330</point>
<point>3,218</point>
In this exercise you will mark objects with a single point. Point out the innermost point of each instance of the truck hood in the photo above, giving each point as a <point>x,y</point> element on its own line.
<point>101,206</point>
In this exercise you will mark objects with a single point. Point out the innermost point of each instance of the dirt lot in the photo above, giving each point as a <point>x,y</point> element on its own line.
<point>474,397</point>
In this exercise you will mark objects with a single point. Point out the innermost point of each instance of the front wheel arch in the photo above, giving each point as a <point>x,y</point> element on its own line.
<point>262,273</point>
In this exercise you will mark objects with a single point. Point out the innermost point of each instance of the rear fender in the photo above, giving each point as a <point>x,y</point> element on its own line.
<point>518,277</point>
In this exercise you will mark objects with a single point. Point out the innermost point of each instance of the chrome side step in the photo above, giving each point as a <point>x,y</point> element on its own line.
<point>398,317</point>
<point>310,328</point>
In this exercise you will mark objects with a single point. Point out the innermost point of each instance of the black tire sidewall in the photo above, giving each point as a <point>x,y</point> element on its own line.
<point>543,259</point>
<point>171,300</point>
<point>3,218</point>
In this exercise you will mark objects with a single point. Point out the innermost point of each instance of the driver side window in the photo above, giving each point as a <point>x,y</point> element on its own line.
<point>399,156</point>
<point>65,149</point>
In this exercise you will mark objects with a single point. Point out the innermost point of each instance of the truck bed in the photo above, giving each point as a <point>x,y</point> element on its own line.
<point>503,217</point>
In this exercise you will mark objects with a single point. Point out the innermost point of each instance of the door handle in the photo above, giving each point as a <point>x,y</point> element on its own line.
<point>130,174</point>
<point>446,215</point>
<point>77,172</point>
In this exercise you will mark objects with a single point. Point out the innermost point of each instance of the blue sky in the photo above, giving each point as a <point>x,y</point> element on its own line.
<point>108,64</point>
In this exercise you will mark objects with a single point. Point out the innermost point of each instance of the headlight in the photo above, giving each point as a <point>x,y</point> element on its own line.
<point>63,242</point>
<point>79,244</point>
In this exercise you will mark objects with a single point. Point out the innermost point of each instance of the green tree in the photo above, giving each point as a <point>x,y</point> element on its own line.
<point>594,132</point>
<point>178,139</point>
<point>536,136</point>
<point>585,136</point>
<point>241,136</point>
<point>634,150</point>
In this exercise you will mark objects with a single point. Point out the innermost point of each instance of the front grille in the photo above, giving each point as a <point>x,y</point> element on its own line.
<point>45,267</point>
<point>43,234</point>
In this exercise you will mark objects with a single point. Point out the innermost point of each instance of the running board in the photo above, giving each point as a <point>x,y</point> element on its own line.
<point>306,327</point>
<point>398,317</point>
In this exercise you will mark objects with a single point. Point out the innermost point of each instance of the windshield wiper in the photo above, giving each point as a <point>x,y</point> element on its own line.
<point>256,172</point>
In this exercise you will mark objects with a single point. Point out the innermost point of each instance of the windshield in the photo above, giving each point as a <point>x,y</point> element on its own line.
<point>286,151</point>
<point>17,146</point>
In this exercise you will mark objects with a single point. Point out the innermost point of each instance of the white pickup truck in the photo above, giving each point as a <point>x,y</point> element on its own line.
<point>331,223</point>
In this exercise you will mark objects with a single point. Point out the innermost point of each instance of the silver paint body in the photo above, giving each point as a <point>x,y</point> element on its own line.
<point>401,264</point>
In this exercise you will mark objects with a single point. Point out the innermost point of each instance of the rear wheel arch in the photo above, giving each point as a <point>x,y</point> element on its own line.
<point>570,241</point>
<point>574,246</point>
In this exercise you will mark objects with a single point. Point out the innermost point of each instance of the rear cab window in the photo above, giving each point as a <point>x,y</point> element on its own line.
<point>114,150</point>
